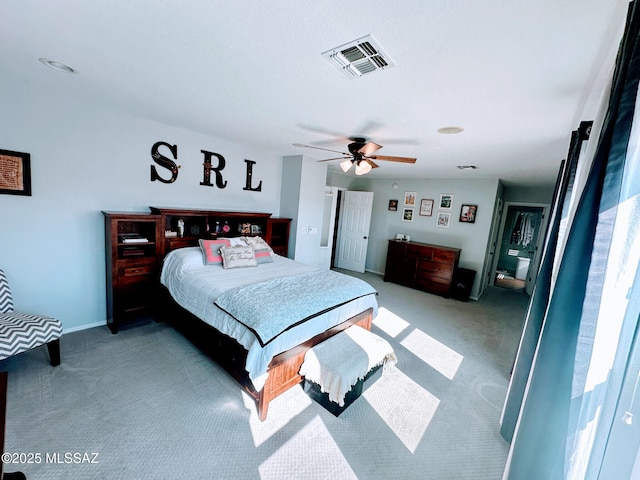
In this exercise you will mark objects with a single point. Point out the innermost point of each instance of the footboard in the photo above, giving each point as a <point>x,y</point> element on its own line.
<point>230,355</point>
<point>284,368</point>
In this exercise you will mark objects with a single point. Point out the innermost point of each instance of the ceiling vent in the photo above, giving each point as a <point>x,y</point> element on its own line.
<point>360,57</point>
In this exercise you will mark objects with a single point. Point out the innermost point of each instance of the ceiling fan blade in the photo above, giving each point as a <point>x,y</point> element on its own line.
<point>369,148</point>
<point>337,158</point>
<point>318,148</point>
<point>340,137</point>
<point>393,159</point>
<point>369,127</point>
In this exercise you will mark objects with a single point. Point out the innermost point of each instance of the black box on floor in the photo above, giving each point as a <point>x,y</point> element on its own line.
<point>313,390</point>
<point>462,282</point>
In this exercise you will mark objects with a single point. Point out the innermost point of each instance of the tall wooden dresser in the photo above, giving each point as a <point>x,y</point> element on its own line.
<point>133,251</point>
<point>422,266</point>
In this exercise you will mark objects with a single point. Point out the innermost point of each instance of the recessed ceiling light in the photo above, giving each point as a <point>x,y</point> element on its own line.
<point>467,167</point>
<point>450,130</point>
<point>61,67</point>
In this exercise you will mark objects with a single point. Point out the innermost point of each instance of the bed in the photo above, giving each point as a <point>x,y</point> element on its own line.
<point>262,318</point>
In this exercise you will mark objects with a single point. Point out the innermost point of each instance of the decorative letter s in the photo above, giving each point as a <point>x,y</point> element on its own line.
<point>164,162</point>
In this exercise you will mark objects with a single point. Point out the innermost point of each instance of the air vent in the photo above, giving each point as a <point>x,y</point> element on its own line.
<point>360,57</point>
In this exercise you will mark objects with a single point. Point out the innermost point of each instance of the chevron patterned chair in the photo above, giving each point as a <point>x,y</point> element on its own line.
<point>20,332</point>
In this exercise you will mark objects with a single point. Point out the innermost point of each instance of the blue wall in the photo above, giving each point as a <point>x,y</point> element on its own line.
<point>85,160</point>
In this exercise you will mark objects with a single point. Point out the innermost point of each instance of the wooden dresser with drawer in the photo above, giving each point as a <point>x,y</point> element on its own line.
<point>422,266</point>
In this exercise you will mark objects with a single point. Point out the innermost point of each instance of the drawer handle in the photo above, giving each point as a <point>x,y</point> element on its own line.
<point>136,271</point>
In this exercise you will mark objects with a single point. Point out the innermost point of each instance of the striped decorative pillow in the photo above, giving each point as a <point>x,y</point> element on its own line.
<point>211,250</point>
<point>263,255</point>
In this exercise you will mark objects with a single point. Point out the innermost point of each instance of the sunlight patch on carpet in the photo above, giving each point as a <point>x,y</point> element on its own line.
<point>310,453</point>
<point>405,406</point>
<point>389,322</point>
<point>431,351</point>
<point>281,410</point>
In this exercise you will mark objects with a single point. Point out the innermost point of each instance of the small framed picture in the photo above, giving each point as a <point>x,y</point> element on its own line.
<point>407,215</point>
<point>426,207</point>
<point>443,220</point>
<point>446,201</point>
<point>15,173</point>
<point>256,229</point>
<point>393,205</point>
<point>468,213</point>
<point>244,228</point>
<point>409,198</point>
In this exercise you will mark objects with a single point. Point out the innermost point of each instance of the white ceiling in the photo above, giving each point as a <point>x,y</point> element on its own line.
<point>517,75</point>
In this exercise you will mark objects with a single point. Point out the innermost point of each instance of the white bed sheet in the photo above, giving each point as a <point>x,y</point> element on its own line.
<point>195,287</point>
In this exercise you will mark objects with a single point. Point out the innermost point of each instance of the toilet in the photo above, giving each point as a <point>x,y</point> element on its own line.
<point>523,268</point>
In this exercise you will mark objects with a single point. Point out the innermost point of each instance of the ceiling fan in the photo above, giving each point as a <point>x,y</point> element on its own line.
<point>360,154</point>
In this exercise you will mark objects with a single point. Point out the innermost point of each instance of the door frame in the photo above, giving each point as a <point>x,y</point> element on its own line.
<point>340,221</point>
<point>537,256</point>
<point>488,272</point>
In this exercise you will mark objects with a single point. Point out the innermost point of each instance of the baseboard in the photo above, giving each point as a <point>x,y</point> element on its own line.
<point>373,271</point>
<point>83,327</point>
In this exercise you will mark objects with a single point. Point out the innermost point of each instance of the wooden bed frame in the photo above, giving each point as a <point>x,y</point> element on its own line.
<point>230,355</point>
<point>226,351</point>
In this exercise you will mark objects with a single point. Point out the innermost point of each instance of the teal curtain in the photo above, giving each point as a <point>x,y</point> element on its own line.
<point>584,366</point>
<point>540,297</point>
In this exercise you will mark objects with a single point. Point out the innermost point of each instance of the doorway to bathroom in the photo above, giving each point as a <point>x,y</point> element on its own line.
<point>518,255</point>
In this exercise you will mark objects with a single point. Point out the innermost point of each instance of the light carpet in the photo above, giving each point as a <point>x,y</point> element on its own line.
<point>152,406</point>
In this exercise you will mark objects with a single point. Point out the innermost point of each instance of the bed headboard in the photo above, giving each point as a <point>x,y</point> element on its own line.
<point>195,224</point>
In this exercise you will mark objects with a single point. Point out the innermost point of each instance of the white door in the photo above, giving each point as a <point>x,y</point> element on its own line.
<point>355,220</point>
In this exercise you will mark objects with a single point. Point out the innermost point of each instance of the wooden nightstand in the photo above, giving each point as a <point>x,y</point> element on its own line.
<point>133,248</point>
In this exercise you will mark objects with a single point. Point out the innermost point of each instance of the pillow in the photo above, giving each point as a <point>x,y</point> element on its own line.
<point>238,256</point>
<point>258,243</point>
<point>263,255</point>
<point>211,250</point>
<point>237,241</point>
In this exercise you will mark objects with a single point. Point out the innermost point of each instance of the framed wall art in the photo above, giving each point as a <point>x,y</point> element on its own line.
<point>468,213</point>
<point>443,220</point>
<point>393,205</point>
<point>409,198</point>
<point>426,207</point>
<point>446,201</point>
<point>407,215</point>
<point>15,173</point>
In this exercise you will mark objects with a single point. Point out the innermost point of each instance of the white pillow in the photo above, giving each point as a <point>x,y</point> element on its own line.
<point>237,241</point>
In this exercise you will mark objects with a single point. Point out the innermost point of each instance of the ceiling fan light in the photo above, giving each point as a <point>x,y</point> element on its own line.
<point>363,167</point>
<point>345,165</point>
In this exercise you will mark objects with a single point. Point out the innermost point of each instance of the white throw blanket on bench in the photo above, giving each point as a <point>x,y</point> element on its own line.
<point>341,361</point>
